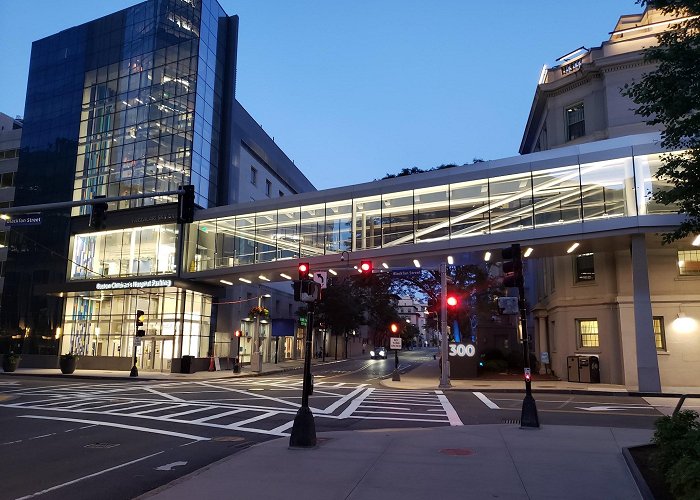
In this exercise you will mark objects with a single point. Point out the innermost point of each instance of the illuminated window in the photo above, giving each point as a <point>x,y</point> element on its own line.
<point>576,126</point>
<point>689,262</point>
<point>584,268</point>
<point>659,333</point>
<point>587,332</point>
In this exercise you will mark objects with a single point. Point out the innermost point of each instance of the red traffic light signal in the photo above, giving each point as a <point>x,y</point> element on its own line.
<point>366,267</point>
<point>237,333</point>
<point>304,270</point>
<point>452,301</point>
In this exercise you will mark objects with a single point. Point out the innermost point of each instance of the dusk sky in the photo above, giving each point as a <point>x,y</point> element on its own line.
<point>354,89</point>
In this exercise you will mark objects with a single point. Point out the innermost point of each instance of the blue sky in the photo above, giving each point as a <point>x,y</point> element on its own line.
<point>354,89</point>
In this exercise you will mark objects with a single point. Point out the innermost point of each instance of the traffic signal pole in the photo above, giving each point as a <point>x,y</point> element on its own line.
<point>304,428</point>
<point>444,363</point>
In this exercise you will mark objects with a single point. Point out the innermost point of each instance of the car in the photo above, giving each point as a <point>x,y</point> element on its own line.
<point>378,353</point>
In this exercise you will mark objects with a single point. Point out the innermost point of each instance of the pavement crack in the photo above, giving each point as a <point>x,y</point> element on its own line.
<point>510,455</point>
<point>369,468</point>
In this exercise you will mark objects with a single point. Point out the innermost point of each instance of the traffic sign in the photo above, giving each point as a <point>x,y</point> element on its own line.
<point>395,343</point>
<point>321,277</point>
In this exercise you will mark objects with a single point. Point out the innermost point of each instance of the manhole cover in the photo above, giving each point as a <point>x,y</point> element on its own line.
<point>457,452</point>
<point>230,439</point>
<point>101,446</point>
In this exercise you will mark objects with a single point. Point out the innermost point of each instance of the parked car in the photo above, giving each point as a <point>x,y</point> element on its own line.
<point>378,353</point>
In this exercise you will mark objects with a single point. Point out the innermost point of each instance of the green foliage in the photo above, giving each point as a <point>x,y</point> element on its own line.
<point>670,96</point>
<point>496,365</point>
<point>677,455</point>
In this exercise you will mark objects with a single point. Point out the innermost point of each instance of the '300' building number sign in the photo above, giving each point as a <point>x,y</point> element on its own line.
<point>462,350</point>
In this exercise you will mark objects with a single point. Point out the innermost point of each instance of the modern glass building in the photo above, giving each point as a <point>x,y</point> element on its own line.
<point>130,105</point>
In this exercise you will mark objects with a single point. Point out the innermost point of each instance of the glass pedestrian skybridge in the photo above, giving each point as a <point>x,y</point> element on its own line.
<point>599,181</point>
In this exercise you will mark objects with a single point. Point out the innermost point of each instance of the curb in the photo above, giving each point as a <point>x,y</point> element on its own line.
<point>636,473</point>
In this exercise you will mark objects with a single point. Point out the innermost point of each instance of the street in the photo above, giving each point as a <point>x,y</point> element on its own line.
<point>120,438</point>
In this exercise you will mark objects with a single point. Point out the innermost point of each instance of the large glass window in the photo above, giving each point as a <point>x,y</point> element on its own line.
<point>140,251</point>
<point>587,333</point>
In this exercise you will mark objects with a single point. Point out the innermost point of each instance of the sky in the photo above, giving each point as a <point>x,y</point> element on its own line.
<point>354,89</point>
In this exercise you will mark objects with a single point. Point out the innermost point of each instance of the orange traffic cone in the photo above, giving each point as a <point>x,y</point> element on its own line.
<point>212,368</point>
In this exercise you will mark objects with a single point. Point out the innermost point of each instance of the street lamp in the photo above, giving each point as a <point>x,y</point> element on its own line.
<point>256,357</point>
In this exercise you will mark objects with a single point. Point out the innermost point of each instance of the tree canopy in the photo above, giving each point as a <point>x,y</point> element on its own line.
<point>670,96</point>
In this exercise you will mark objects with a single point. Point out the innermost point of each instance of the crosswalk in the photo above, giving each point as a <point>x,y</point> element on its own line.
<point>263,405</point>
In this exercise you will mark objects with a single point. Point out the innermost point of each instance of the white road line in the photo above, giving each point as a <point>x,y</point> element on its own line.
<point>487,401</point>
<point>343,400</point>
<point>58,486</point>
<point>253,419</point>
<point>449,409</point>
<point>146,412</point>
<point>218,415</point>
<point>164,395</point>
<point>279,400</point>
<point>134,407</point>
<point>373,412</point>
<point>283,427</point>
<point>42,436</point>
<point>355,403</point>
<point>171,415</point>
<point>405,408</point>
<point>121,426</point>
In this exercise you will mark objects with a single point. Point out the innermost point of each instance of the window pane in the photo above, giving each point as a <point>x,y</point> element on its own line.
<point>659,333</point>
<point>689,262</point>
<point>588,332</point>
<point>585,269</point>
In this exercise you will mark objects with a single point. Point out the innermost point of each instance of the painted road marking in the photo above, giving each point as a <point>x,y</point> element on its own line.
<point>487,401</point>
<point>171,466</point>
<point>449,409</point>
<point>121,426</point>
<point>59,486</point>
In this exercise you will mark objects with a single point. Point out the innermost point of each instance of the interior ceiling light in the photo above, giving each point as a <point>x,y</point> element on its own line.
<point>263,278</point>
<point>528,252</point>
<point>416,263</point>
<point>385,265</point>
<point>225,282</point>
<point>244,280</point>
<point>696,241</point>
<point>450,260</point>
<point>285,276</point>
<point>572,248</point>
<point>487,256</point>
<point>333,272</point>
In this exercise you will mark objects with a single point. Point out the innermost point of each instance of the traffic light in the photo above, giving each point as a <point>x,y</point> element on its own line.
<point>512,267</point>
<point>185,205</point>
<point>304,271</point>
<point>366,267</point>
<point>140,316</point>
<point>394,328</point>
<point>98,216</point>
<point>452,301</point>
<point>237,333</point>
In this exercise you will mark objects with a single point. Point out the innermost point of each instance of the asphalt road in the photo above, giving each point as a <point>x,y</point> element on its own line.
<point>120,438</point>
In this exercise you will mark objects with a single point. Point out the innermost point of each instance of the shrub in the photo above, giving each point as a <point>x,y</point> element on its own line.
<point>496,365</point>
<point>677,455</point>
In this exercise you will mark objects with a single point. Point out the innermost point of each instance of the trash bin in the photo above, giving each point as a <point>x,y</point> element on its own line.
<point>589,369</point>
<point>236,366</point>
<point>186,364</point>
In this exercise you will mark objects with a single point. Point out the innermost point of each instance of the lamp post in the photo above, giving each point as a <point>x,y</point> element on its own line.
<point>256,356</point>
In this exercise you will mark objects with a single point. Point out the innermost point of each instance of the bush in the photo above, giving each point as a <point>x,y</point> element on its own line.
<point>490,354</point>
<point>496,365</point>
<point>677,455</point>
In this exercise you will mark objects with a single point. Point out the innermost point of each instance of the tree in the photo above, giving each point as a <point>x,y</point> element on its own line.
<point>670,96</point>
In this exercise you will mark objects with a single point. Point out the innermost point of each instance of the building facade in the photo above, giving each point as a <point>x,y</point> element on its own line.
<point>130,107</point>
<point>584,302</point>
<point>10,136</point>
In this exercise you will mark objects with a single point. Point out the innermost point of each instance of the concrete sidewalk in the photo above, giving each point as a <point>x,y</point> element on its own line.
<point>484,461</point>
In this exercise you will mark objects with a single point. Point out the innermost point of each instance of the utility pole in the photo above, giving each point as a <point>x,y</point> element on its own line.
<point>444,363</point>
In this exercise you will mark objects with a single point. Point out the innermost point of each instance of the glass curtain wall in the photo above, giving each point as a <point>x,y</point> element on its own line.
<point>138,251</point>
<point>530,199</point>
<point>103,324</point>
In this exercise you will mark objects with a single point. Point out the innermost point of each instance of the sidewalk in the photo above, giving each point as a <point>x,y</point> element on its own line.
<point>483,461</point>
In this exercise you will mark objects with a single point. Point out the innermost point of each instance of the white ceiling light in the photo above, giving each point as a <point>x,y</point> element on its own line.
<point>333,272</point>
<point>528,252</point>
<point>385,265</point>
<point>696,241</point>
<point>244,280</point>
<point>487,256</point>
<point>225,282</point>
<point>416,263</point>
<point>450,260</point>
<point>263,278</point>
<point>285,276</point>
<point>572,248</point>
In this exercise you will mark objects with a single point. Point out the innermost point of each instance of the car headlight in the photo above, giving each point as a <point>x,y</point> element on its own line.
<point>371,353</point>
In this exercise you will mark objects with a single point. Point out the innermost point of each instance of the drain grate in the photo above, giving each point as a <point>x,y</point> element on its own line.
<point>511,421</point>
<point>101,446</point>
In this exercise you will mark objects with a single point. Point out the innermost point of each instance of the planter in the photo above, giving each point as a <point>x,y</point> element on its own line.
<point>67,364</point>
<point>9,363</point>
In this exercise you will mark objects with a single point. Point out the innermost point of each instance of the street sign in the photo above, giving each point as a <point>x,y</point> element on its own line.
<point>406,273</point>
<point>24,220</point>
<point>321,277</point>
<point>137,341</point>
<point>544,358</point>
<point>508,305</point>
<point>395,343</point>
